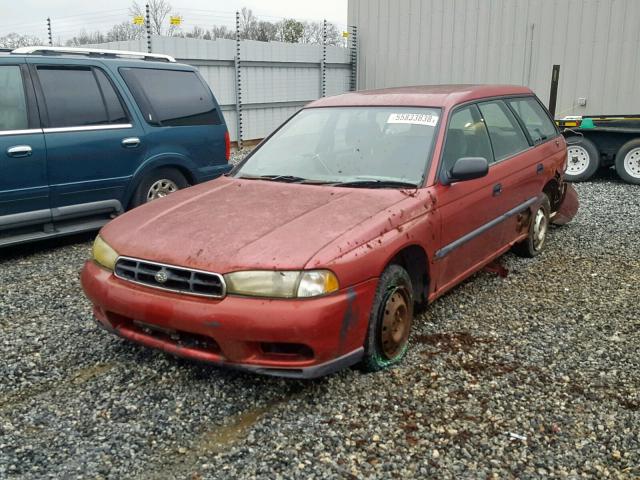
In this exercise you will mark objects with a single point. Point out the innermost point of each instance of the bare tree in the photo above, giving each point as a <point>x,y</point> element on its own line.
<point>159,10</point>
<point>84,38</point>
<point>125,31</point>
<point>221,31</point>
<point>15,40</point>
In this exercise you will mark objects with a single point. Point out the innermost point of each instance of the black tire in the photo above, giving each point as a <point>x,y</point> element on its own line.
<point>584,149</point>
<point>532,246</point>
<point>151,178</point>
<point>629,169</point>
<point>394,298</point>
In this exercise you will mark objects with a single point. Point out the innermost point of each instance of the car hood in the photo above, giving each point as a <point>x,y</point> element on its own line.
<point>233,224</point>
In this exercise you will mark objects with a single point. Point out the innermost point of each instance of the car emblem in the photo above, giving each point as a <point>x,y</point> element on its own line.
<point>162,276</point>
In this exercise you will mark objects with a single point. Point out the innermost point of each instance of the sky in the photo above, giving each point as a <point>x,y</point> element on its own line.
<point>69,17</point>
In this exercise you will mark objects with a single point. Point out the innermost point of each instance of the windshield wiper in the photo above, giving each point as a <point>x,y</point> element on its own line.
<point>373,183</point>
<point>276,178</point>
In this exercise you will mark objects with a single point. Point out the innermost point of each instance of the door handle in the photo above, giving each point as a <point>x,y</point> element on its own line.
<point>131,142</point>
<point>497,189</point>
<point>19,151</point>
<point>539,168</point>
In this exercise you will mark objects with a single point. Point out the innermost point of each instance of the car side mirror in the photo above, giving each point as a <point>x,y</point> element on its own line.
<point>468,168</point>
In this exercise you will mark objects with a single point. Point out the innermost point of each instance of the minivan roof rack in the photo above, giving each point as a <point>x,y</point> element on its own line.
<point>93,52</point>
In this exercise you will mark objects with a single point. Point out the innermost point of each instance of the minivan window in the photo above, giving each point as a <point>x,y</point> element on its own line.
<point>72,96</point>
<point>466,137</point>
<point>13,105</point>
<point>507,138</point>
<point>171,97</point>
<point>535,119</point>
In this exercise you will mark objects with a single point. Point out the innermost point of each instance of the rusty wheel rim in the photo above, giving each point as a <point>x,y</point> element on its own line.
<point>396,323</point>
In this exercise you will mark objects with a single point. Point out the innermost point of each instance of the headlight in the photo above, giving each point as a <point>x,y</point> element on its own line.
<point>104,254</point>
<point>282,284</point>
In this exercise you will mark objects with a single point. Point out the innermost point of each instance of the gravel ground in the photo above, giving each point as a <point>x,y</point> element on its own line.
<point>520,377</point>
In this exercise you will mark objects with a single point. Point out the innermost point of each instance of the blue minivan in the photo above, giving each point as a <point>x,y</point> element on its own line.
<point>86,134</point>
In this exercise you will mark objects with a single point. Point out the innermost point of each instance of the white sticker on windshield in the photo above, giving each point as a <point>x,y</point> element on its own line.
<point>414,119</point>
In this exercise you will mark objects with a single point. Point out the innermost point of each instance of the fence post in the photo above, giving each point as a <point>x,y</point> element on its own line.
<point>148,25</point>
<point>353,84</point>
<point>238,85</point>
<point>49,32</point>
<point>323,62</point>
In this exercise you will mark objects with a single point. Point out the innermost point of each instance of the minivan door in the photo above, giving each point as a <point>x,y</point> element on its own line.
<point>24,189</point>
<point>93,144</point>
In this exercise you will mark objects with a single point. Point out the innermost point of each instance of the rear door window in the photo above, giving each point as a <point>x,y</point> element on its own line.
<point>13,104</point>
<point>507,137</point>
<point>79,96</point>
<point>171,97</point>
<point>535,118</point>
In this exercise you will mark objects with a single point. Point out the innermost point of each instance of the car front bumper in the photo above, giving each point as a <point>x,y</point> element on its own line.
<point>233,331</point>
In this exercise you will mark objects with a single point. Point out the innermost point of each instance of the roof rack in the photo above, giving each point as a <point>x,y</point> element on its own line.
<point>99,52</point>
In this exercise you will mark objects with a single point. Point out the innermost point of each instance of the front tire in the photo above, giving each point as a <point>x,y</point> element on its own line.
<point>157,184</point>
<point>583,159</point>
<point>538,228</point>
<point>390,320</point>
<point>628,161</point>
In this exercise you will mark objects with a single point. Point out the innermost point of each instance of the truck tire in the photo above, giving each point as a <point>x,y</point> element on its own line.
<point>158,183</point>
<point>628,161</point>
<point>583,159</point>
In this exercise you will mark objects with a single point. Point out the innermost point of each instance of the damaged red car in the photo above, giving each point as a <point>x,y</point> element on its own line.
<point>311,255</point>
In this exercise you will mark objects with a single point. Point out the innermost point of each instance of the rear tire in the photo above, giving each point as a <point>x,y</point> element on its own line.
<point>390,320</point>
<point>158,183</point>
<point>628,161</point>
<point>583,159</point>
<point>538,229</point>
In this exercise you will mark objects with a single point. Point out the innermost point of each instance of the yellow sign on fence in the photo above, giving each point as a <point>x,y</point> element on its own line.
<point>175,20</point>
<point>138,20</point>
<point>345,34</point>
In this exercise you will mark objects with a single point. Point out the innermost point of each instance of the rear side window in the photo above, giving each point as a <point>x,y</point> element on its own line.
<point>466,137</point>
<point>535,119</point>
<point>13,105</point>
<point>115,110</point>
<point>79,96</point>
<point>507,138</point>
<point>171,97</point>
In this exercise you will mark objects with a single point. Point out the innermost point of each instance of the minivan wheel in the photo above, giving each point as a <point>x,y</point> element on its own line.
<point>628,161</point>
<point>390,320</point>
<point>583,159</point>
<point>538,229</point>
<point>157,184</point>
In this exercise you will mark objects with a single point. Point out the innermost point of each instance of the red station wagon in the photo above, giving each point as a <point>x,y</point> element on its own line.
<point>311,254</point>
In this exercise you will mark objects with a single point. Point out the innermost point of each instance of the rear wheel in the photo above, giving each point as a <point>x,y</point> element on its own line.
<point>157,184</point>
<point>628,161</point>
<point>390,320</point>
<point>538,229</point>
<point>583,159</point>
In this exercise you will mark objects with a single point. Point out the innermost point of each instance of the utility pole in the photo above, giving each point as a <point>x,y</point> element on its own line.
<point>148,24</point>
<point>49,32</point>
<point>323,62</point>
<point>238,85</point>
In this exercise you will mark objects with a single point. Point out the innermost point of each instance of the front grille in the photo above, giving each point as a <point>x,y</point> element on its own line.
<point>169,277</point>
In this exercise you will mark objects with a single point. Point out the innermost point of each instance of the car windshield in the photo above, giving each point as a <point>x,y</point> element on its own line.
<point>351,146</point>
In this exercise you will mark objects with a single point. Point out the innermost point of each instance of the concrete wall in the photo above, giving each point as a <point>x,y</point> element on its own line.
<point>595,42</point>
<point>277,79</point>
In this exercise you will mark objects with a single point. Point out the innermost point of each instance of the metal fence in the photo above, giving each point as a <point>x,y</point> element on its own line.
<point>259,84</point>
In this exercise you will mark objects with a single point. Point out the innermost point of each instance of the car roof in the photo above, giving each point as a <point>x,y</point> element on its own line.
<point>420,96</point>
